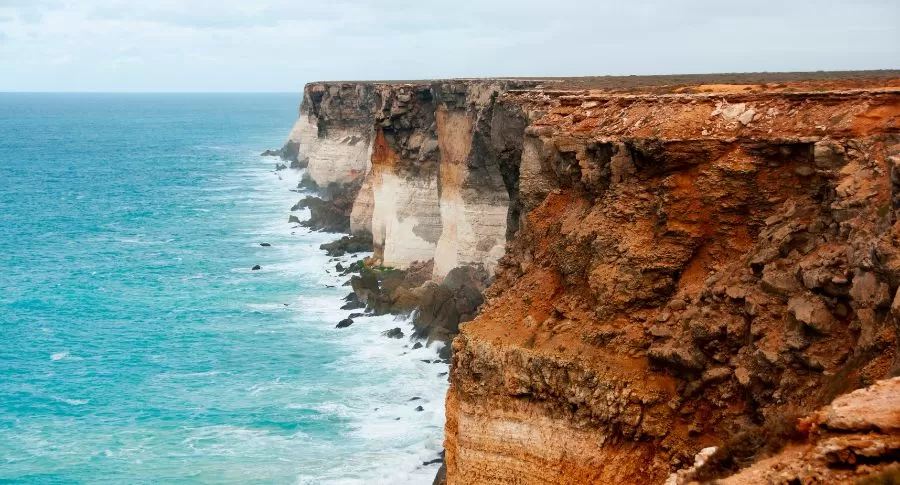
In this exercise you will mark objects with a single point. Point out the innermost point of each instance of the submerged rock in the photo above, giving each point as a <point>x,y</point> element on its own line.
<point>353,303</point>
<point>347,244</point>
<point>393,333</point>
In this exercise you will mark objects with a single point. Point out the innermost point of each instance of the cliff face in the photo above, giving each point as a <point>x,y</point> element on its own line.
<point>432,162</point>
<point>689,266</point>
<point>333,131</point>
<point>671,269</point>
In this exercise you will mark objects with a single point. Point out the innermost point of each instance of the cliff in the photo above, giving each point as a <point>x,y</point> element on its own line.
<point>429,160</point>
<point>671,267</point>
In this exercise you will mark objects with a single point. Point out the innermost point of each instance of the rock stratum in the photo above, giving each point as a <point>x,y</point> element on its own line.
<point>637,268</point>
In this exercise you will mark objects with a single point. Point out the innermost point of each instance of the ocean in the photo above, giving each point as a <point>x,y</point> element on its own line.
<point>137,345</point>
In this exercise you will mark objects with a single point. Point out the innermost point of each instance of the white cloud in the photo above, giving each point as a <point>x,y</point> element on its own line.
<point>280,44</point>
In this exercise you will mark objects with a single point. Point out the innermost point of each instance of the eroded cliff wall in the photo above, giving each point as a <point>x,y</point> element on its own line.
<point>673,268</point>
<point>688,267</point>
<point>431,162</point>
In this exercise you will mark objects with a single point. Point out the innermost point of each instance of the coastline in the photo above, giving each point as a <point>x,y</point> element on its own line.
<point>387,415</point>
<point>142,347</point>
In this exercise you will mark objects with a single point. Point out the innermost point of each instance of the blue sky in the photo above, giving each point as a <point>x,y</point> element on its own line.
<point>278,45</point>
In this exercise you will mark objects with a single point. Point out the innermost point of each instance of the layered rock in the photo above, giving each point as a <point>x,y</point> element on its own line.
<point>670,267</point>
<point>688,266</point>
<point>438,168</point>
<point>334,131</point>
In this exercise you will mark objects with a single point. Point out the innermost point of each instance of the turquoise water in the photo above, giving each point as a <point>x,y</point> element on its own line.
<point>138,347</point>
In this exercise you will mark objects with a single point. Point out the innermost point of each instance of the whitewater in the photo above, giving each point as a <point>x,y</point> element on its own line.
<point>138,346</point>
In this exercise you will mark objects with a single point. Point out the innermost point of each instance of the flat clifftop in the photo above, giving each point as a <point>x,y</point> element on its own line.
<point>661,83</point>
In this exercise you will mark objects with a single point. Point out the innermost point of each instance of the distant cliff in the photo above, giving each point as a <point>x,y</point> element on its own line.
<point>432,163</point>
<point>670,267</point>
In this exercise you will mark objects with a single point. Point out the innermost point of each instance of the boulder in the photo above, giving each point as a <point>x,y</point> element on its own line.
<point>443,307</point>
<point>393,333</point>
<point>828,154</point>
<point>779,282</point>
<point>344,323</point>
<point>875,408</point>
<point>347,244</point>
<point>353,303</point>
<point>811,310</point>
<point>746,117</point>
<point>675,357</point>
<point>256,268</point>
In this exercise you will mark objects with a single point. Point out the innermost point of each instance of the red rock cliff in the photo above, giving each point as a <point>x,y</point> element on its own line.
<point>683,266</point>
<point>689,266</point>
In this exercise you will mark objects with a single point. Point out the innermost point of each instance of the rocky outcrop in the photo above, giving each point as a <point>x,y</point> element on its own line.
<point>667,267</point>
<point>854,440</point>
<point>290,152</point>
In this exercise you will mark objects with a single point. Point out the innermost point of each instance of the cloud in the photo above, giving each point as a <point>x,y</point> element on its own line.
<point>28,11</point>
<point>203,14</point>
<point>280,44</point>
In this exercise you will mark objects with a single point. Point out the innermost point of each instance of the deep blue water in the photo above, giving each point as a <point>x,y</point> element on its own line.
<point>136,346</point>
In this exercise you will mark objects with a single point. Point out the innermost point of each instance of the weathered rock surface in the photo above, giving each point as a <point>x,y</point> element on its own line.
<point>430,168</point>
<point>347,244</point>
<point>854,440</point>
<point>682,271</point>
<point>289,153</point>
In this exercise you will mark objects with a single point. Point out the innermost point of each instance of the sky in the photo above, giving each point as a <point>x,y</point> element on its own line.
<point>279,45</point>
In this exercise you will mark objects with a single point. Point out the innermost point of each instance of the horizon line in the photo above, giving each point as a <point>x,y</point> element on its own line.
<point>300,91</point>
